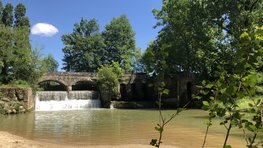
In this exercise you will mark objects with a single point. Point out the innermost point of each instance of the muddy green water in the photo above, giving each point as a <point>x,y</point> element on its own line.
<point>115,127</point>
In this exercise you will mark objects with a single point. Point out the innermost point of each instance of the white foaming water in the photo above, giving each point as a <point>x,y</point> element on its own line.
<point>111,106</point>
<point>58,100</point>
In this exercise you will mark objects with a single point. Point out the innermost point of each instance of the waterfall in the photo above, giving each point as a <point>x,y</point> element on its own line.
<point>62,100</point>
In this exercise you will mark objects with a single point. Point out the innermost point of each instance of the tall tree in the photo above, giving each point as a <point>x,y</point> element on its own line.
<point>22,47</point>
<point>6,52</point>
<point>84,48</point>
<point>182,36</point>
<point>119,41</point>
<point>20,16</point>
<point>15,50</point>
<point>50,64</point>
<point>1,12</point>
<point>198,35</point>
<point>8,16</point>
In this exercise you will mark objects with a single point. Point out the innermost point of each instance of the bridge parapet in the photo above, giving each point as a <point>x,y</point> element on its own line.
<point>70,78</point>
<point>76,74</point>
<point>134,78</point>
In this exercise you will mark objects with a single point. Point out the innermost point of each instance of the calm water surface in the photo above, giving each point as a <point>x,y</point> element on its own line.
<point>115,127</point>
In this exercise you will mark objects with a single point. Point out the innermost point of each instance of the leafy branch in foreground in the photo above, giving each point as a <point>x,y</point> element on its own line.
<point>221,97</point>
<point>163,120</point>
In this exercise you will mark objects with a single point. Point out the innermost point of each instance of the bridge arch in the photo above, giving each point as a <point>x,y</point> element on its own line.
<point>74,81</point>
<point>84,84</point>
<point>54,80</point>
<point>47,84</point>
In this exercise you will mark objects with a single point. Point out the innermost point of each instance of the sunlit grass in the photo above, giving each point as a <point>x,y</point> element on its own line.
<point>244,103</point>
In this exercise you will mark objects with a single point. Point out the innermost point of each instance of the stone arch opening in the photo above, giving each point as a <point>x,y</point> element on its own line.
<point>189,89</point>
<point>123,91</point>
<point>85,85</point>
<point>52,85</point>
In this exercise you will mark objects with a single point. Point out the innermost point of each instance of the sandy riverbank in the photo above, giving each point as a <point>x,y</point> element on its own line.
<point>8,140</point>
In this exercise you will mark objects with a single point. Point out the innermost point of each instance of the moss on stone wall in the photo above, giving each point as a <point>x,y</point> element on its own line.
<point>14,100</point>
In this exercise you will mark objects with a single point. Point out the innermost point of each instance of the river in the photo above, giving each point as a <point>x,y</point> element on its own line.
<point>116,127</point>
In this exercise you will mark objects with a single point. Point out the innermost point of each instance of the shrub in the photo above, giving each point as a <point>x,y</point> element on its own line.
<point>108,80</point>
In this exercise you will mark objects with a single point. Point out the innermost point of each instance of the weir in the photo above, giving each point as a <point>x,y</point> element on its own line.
<point>63,100</point>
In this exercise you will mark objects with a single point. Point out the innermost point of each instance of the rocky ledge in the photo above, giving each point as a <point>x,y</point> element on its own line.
<point>15,100</point>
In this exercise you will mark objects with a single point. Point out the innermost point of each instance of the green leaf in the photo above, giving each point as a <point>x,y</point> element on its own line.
<point>205,103</point>
<point>162,84</point>
<point>209,86</point>
<point>153,142</point>
<point>196,97</point>
<point>159,129</point>
<point>203,82</point>
<point>166,91</point>
<point>228,146</point>
<point>223,90</point>
<point>244,35</point>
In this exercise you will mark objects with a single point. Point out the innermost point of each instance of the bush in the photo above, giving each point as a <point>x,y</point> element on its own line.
<point>108,81</point>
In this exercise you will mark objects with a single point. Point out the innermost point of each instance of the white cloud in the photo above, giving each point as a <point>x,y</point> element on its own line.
<point>44,29</point>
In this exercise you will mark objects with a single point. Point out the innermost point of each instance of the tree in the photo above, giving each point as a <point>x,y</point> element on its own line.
<point>6,52</point>
<point>217,39</point>
<point>221,96</point>
<point>84,48</point>
<point>1,12</point>
<point>20,19</point>
<point>120,43</point>
<point>154,59</point>
<point>182,36</point>
<point>49,63</point>
<point>15,50</point>
<point>22,48</point>
<point>137,64</point>
<point>22,58</point>
<point>7,17</point>
<point>197,35</point>
<point>108,83</point>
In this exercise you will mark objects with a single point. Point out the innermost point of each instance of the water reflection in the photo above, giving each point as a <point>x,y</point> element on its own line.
<point>105,126</point>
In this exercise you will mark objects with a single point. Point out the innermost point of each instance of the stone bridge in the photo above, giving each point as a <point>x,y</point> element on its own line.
<point>70,78</point>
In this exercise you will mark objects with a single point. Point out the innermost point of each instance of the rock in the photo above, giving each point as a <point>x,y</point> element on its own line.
<point>2,103</point>
<point>6,107</point>
<point>20,99</point>
<point>9,111</point>
<point>12,94</point>
<point>262,112</point>
<point>2,107</point>
<point>20,96</point>
<point>14,111</point>
<point>22,109</point>
<point>5,99</point>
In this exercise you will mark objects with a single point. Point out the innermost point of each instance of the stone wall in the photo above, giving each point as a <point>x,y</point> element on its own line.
<point>262,112</point>
<point>18,99</point>
<point>181,87</point>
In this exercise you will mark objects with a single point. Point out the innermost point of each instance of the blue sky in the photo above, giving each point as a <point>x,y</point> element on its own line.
<point>63,14</point>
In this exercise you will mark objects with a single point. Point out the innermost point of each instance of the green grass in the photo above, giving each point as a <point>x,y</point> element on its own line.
<point>244,103</point>
<point>14,86</point>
